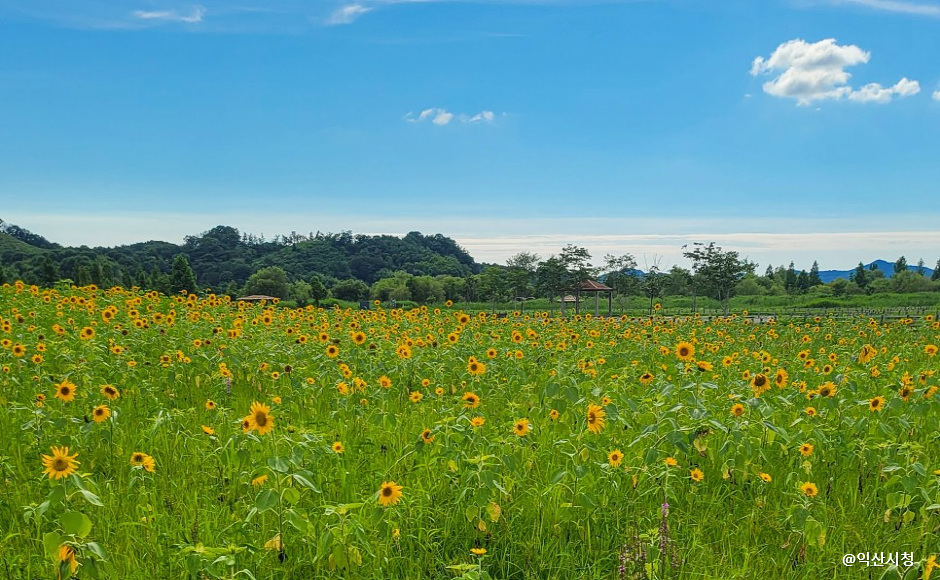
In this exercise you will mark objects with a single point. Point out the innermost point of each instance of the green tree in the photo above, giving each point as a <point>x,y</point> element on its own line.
<point>860,276</point>
<point>936,272</point>
<point>900,265</point>
<point>300,291</point>
<point>50,272</point>
<point>551,279</point>
<point>652,284</point>
<point>270,281</point>
<point>577,262</point>
<point>493,284</point>
<point>181,275</point>
<point>717,272</point>
<point>814,279</point>
<point>621,273</point>
<point>318,290</point>
<point>802,282</point>
<point>791,280</point>
<point>350,290</point>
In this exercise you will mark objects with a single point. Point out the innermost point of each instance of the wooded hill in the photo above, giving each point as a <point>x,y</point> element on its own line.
<point>224,258</point>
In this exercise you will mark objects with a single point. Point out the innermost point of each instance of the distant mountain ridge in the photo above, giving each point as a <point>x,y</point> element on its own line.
<point>887,267</point>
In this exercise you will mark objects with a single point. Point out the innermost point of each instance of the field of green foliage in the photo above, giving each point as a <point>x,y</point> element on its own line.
<point>193,437</point>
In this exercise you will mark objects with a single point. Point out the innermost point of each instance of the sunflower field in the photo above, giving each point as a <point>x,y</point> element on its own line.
<point>195,437</point>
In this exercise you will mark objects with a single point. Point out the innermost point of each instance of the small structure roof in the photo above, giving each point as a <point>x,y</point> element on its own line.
<point>592,286</point>
<point>568,298</point>
<point>256,298</point>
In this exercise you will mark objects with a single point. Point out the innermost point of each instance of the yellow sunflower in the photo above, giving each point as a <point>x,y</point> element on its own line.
<point>100,413</point>
<point>615,457</point>
<point>110,392</point>
<point>261,419</point>
<point>60,464</point>
<point>470,400</point>
<point>65,391</point>
<point>809,489</point>
<point>389,493</point>
<point>685,351</point>
<point>595,418</point>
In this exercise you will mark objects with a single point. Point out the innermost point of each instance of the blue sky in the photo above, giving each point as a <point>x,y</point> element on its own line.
<point>785,129</point>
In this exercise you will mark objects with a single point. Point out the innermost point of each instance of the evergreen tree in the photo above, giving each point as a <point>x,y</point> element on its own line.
<point>920,266</point>
<point>802,281</point>
<point>900,265</point>
<point>860,275</point>
<point>814,279</point>
<point>791,280</point>
<point>769,273</point>
<point>936,272</point>
<point>182,276</point>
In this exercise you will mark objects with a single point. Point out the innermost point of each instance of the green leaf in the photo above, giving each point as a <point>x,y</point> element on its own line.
<point>291,495</point>
<point>76,524</point>
<point>50,543</point>
<point>91,498</point>
<point>97,550</point>
<point>305,482</point>
<point>266,499</point>
<point>278,464</point>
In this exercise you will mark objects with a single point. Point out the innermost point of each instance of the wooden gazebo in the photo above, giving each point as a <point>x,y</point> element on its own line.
<point>593,287</point>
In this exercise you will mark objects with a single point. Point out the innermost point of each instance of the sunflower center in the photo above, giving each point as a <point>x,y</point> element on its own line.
<point>60,464</point>
<point>261,419</point>
<point>387,491</point>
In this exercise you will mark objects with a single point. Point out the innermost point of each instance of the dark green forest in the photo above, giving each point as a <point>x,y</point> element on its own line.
<point>224,259</point>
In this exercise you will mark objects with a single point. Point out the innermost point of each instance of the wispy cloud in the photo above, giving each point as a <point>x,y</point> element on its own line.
<point>193,17</point>
<point>902,6</point>
<point>228,15</point>
<point>347,14</point>
<point>936,95</point>
<point>834,242</point>
<point>810,72</point>
<point>441,117</point>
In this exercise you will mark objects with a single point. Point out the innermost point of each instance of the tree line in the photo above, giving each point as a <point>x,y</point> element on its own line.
<point>418,268</point>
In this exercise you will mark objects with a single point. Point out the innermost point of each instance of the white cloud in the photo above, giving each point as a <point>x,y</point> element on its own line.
<point>875,93</point>
<point>917,8</point>
<point>936,95</point>
<point>834,242</point>
<point>347,14</point>
<point>816,72</point>
<point>484,117</point>
<point>193,17</point>
<point>443,117</point>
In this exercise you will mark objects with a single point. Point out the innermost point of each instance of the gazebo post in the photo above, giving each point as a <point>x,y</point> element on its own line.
<point>577,301</point>
<point>597,296</point>
<point>610,303</point>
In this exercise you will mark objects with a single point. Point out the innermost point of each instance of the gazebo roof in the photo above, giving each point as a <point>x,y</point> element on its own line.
<point>256,297</point>
<point>592,286</point>
<point>567,298</point>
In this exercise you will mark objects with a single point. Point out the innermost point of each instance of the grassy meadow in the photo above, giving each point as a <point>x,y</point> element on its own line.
<point>182,437</point>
